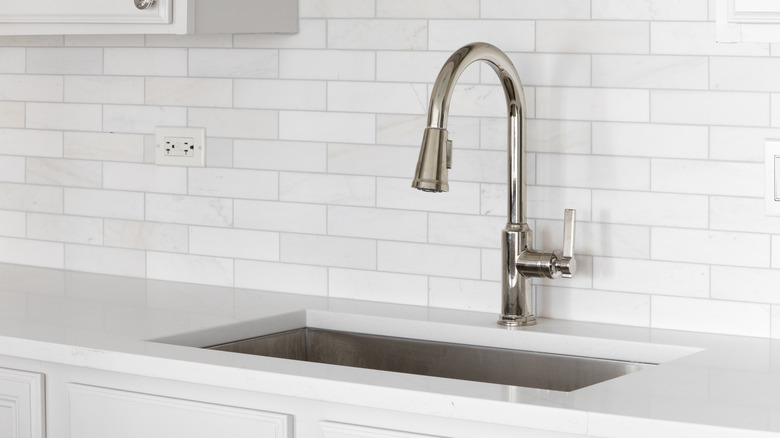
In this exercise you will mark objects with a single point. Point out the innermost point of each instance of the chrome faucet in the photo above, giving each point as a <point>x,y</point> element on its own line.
<point>520,262</point>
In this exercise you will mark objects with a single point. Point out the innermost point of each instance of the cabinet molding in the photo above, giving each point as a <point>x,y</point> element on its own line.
<point>96,412</point>
<point>747,21</point>
<point>21,404</point>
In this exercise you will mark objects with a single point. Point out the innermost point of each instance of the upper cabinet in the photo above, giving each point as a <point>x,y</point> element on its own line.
<point>748,21</point>
<point>54,17</point>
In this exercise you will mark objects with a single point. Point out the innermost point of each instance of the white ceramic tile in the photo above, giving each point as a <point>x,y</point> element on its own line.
<point>237,123</point>
<point>378,286</point>
<point>714,247</point>
<point>104,203</point>
<point>439,260</point>
<point>244,244</point>
<point>374,223</point>
<point>593,36</point>
<point>377,34</point>
<point>279,94</point>
<point>102,146</point>
<point>535,9</point>
<point>399,129</point>
<point>209,92</point>
<point>141,119</point>
<point>685,38</point>
<point>102,260</point>
<point>12,169</point>
<point>542,136</point>
<point>330,127</point>
<point>233,183</point>
<point>336,8</point>
<point>651,277</point>
<point>741,214</point>
<point>212,271</point>
<point>30,142</point>
<point>587,171</point>
<point>104,89</point>
<point>282,277</point>
<point>189,40</point>
<point>709,108</point>
<point>233,63</point>
<point>39,88</point>
<point>348,65</point>
<point>593,305</point>
<point>650,140</point>
<point>542,202</point>
<point>192,210</point>
<point>43,199</point>
<point>219,152</point>
<point>62,172</point>
<point>476,295</point>
<point>465,230</point>
<point>60,60</point>
<point>604,104</point>
<point>549,69</point>
<point>596,239</point>
<point>510,36</point>
<point>377,97</point>
<point>280,155</point>
<point>358,159</point>
<point>145,62</point>
<point>70,229</point>
<point>144,178</point>
<point>660,10</point>
<point>731,143</point>
<point>31,40</point>
<point>103,40</point>
<point>327,189</point>
<point>12,60</point>
<point>463,197</point>
<point>145,235</point>
<point>280,216</point>
<point>707,177</point>
<point>64,116</point>
<point>311,35</point>
<point>342,252</point>
<point>744,74</point>
<point>13,224</point>
<point>641,71</point>
<point>477,166</point>
<point>427,8</point>
<point>746,319</point>
<point>745,284</point>
<point>32,253</point>
<point>416,66</point>
<point>12,114</point>
<point>659,209</point>
<point>482,101</point>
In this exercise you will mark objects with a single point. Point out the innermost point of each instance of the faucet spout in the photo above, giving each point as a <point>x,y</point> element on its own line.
<point>520,261</point>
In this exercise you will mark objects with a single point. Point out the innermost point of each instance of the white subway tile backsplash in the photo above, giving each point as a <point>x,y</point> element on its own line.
<point>453,293</point>
<point>337,8</point>
<point>709,107</point>
<point>377,97</point>
<point>279,94</point>
<point>746,319</point>
<point>550,69</point>
<point>535,9</point>
<point>233,183</point>
<point>427,8</point>
<point>145,62</point>
<point>650,140</point>
<point>603,104</point>
<point>236,123</point>
<point>593,305</point>
<point>651,277</point>
<point>642,208</point>
<point>377,34</point>
<point>582,36</point>
<point>70,229</point>
<point>741,214</point>
<point>711,247</point>
<point>243,244</point>
<point>641,71</point>
<point>511,36</point>
<point>311,35</point>
<point>280,155</point>
<point>358,159</point>
<point>416,66</point>
<point>12,60</point>
<point>12,169</point>
<point>189,40</point>
<point>744,74</point>
<point>103,40</point>
<point>324,126</point>
<point>31,88</point>
<point>347,65</point>
<point>64,116</point>
<point>438,260</point>
<point>192,210</point>
<point>374,223</point>
<point>213,271</point>
<point>685,38</point>
<point>104,203</point>
<point>327,189</point>
<point>12,114</point>
<point>378,286</point>
<point>77,61</point>
<point>729,143</point>
<point>104,89</point>
<point>233,63</point>
<point>144,178</point>
<point>13,224</point>
<point>141,119</point>
<point>465,230</point>
<point>661,10</point>
<point>145,235</point>
<point>597,239</point>
<point>189,92</point>
<point>745,284</point>
<point>342,252</point>
<point>463,197</point>
<point>280,216</point>
<point>281,277</point>
<point>59,172</point>
<point>707,177</point>
<point>590,171</point>
<point>24,197</point>
<point>99,146</point>
<point>32,253</point>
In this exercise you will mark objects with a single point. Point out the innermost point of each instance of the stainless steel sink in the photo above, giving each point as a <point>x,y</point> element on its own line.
<point>439,359</point>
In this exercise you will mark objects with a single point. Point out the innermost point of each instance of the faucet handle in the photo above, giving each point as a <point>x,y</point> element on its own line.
<point>566,264</point>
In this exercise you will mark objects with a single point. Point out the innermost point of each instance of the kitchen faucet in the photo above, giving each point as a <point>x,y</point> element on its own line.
<point>520,262</point>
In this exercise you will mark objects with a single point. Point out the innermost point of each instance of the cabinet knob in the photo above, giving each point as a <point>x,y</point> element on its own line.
<point>144,4</point>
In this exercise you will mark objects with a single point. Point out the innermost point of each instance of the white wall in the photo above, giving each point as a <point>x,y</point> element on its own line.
<point>637,119</point>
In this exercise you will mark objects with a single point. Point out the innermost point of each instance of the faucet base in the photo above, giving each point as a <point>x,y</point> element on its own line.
<point>517,321</point>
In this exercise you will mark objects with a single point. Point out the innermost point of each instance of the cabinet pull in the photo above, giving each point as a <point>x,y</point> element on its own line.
<point>144,4</point>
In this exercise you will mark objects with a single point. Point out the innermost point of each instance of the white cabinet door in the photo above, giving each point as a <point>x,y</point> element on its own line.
<point>21,404</point>
<point>82,11</point>
<point>748,21</point>
<point>96,412</point>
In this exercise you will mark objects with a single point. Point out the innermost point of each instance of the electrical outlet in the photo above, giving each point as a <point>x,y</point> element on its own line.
<point>176,146</point>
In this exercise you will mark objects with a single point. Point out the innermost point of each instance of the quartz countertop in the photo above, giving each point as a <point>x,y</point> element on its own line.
<point>711,385</point>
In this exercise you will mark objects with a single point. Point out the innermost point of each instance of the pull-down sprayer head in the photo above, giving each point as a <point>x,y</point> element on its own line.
<point>435,159</point>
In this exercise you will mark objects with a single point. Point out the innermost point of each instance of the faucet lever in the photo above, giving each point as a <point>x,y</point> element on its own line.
<point>566,264</point>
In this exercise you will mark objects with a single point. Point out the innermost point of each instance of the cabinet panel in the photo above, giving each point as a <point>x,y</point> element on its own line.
<point>21,404</point>
<point>748,20</point>
<point>82,11</point>
<point>339,430</point>
<point>96,412</point>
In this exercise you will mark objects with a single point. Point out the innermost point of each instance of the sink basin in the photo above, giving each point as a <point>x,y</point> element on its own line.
<point>433,358</point>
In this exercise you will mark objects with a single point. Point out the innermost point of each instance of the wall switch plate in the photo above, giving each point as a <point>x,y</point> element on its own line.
<point>772,177</point>
<point>175,146</point>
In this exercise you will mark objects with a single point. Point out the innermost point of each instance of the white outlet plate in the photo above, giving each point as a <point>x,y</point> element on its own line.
<point>772,177</point>
<point>176,146</point>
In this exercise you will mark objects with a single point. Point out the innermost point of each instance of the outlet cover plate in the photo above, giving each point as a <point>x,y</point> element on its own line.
<point>772,177</point>
<point>191,144</point>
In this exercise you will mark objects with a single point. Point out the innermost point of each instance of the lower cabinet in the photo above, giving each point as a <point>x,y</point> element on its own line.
<point>21,404</point>
<point>97,412</point>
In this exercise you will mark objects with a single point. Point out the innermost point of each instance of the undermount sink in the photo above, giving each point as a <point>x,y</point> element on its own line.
<point>437,359</point>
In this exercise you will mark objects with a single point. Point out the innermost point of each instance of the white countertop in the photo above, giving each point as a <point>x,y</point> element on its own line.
<point>710,385</point>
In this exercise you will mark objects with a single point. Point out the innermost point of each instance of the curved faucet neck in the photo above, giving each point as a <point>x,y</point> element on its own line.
<point>515,100</point>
